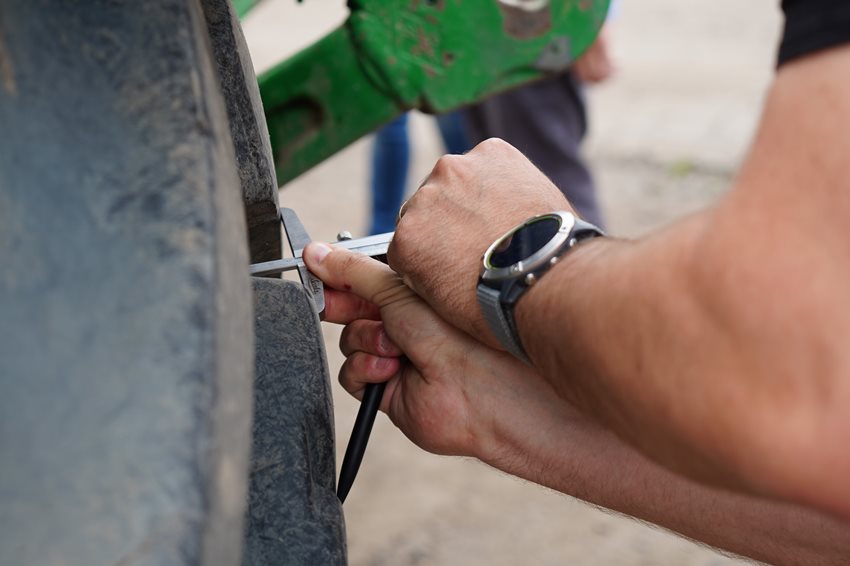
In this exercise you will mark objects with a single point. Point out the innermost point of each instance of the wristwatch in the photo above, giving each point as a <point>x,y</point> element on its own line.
<point>517,260</point>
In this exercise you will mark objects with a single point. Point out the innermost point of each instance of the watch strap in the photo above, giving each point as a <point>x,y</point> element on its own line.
<point>500,321</point>
<point>497,305</point>
<point>583,230</point>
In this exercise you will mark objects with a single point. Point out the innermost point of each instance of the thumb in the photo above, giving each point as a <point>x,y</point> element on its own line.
<point>409,321</point>
<point>356,273</point>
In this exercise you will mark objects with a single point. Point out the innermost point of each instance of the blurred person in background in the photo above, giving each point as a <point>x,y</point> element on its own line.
<point>547,121</point>
<point>391,162</point>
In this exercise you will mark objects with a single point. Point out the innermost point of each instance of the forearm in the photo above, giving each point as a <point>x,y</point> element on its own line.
<point>573,455</point>
<point>618,330</point>
<point>717,346</point>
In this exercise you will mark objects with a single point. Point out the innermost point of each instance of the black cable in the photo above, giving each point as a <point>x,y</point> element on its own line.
<point>359,438</point>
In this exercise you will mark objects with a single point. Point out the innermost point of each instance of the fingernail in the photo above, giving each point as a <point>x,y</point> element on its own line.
<point>384,363</point>
<point>317,252</point>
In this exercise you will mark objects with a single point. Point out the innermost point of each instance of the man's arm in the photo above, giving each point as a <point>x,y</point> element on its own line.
<point>720,346</point>
<point>453,395</point>
<point>574,455</point>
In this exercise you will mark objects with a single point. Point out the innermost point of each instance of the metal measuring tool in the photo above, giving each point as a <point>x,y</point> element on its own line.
<point>373,246</point>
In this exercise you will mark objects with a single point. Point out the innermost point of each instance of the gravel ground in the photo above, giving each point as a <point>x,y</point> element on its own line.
<point>667,136</point>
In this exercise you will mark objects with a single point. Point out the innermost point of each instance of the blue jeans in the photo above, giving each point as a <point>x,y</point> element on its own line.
<point>391,160</point>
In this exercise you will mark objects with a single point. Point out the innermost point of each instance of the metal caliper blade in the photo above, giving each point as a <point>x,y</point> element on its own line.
<point>372,246</point>
<point>298,240</point>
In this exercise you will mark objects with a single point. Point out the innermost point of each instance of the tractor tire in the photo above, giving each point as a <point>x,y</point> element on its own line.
<point>126,329</point>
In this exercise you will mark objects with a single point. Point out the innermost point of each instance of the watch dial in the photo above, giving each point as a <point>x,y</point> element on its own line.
<point>523,243</point>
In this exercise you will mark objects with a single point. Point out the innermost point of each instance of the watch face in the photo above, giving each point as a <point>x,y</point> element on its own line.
<point>527,240</point>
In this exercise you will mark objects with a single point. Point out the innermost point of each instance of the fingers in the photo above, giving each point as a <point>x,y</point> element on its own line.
<point>356,273</point>
<point>342,307</point>
<point>360,369</point>
<point>370,358</point>
<point>367,336</point>
<point>407,318</point>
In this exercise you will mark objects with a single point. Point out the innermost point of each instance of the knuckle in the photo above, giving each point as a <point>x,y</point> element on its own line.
<point>345,338</point>
<point>351,374</point>
<point>426,195</point>
<point>447,165</point>
<point>352,371</point>
<point>365,309</point>
<point>344,377</point>
<point>361,336</point>
<point>493,145</point>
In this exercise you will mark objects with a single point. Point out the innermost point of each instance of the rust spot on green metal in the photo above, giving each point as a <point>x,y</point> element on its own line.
<point>523,23</point>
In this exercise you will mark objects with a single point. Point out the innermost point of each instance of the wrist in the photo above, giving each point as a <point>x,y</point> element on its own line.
<point>543,320</point>
<point>531,429</point>
<point>515,262</point>
<point>492,400</point>
<point>508,404</point>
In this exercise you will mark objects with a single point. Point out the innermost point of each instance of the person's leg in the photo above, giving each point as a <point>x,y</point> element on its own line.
<point>547,122</point>
<point>453,132</point>
<point>390,161</point>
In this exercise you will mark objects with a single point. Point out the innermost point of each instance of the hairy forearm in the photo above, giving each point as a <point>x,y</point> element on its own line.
<point>717,346</point>
<point>571,454</point>
<point>619,332</point>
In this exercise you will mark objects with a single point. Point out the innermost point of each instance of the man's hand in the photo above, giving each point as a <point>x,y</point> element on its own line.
<point>462,207</point>
<point>448,390</point>
<point>596,65</point>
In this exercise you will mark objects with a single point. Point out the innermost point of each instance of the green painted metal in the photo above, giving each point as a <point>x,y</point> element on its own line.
<point>391,56</point>
<point>242,7</point>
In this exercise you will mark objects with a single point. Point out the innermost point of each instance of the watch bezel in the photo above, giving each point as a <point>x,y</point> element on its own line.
<point>536,260</point>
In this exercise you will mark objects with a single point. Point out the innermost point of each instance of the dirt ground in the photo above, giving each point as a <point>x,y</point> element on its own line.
<point>667,135</point>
